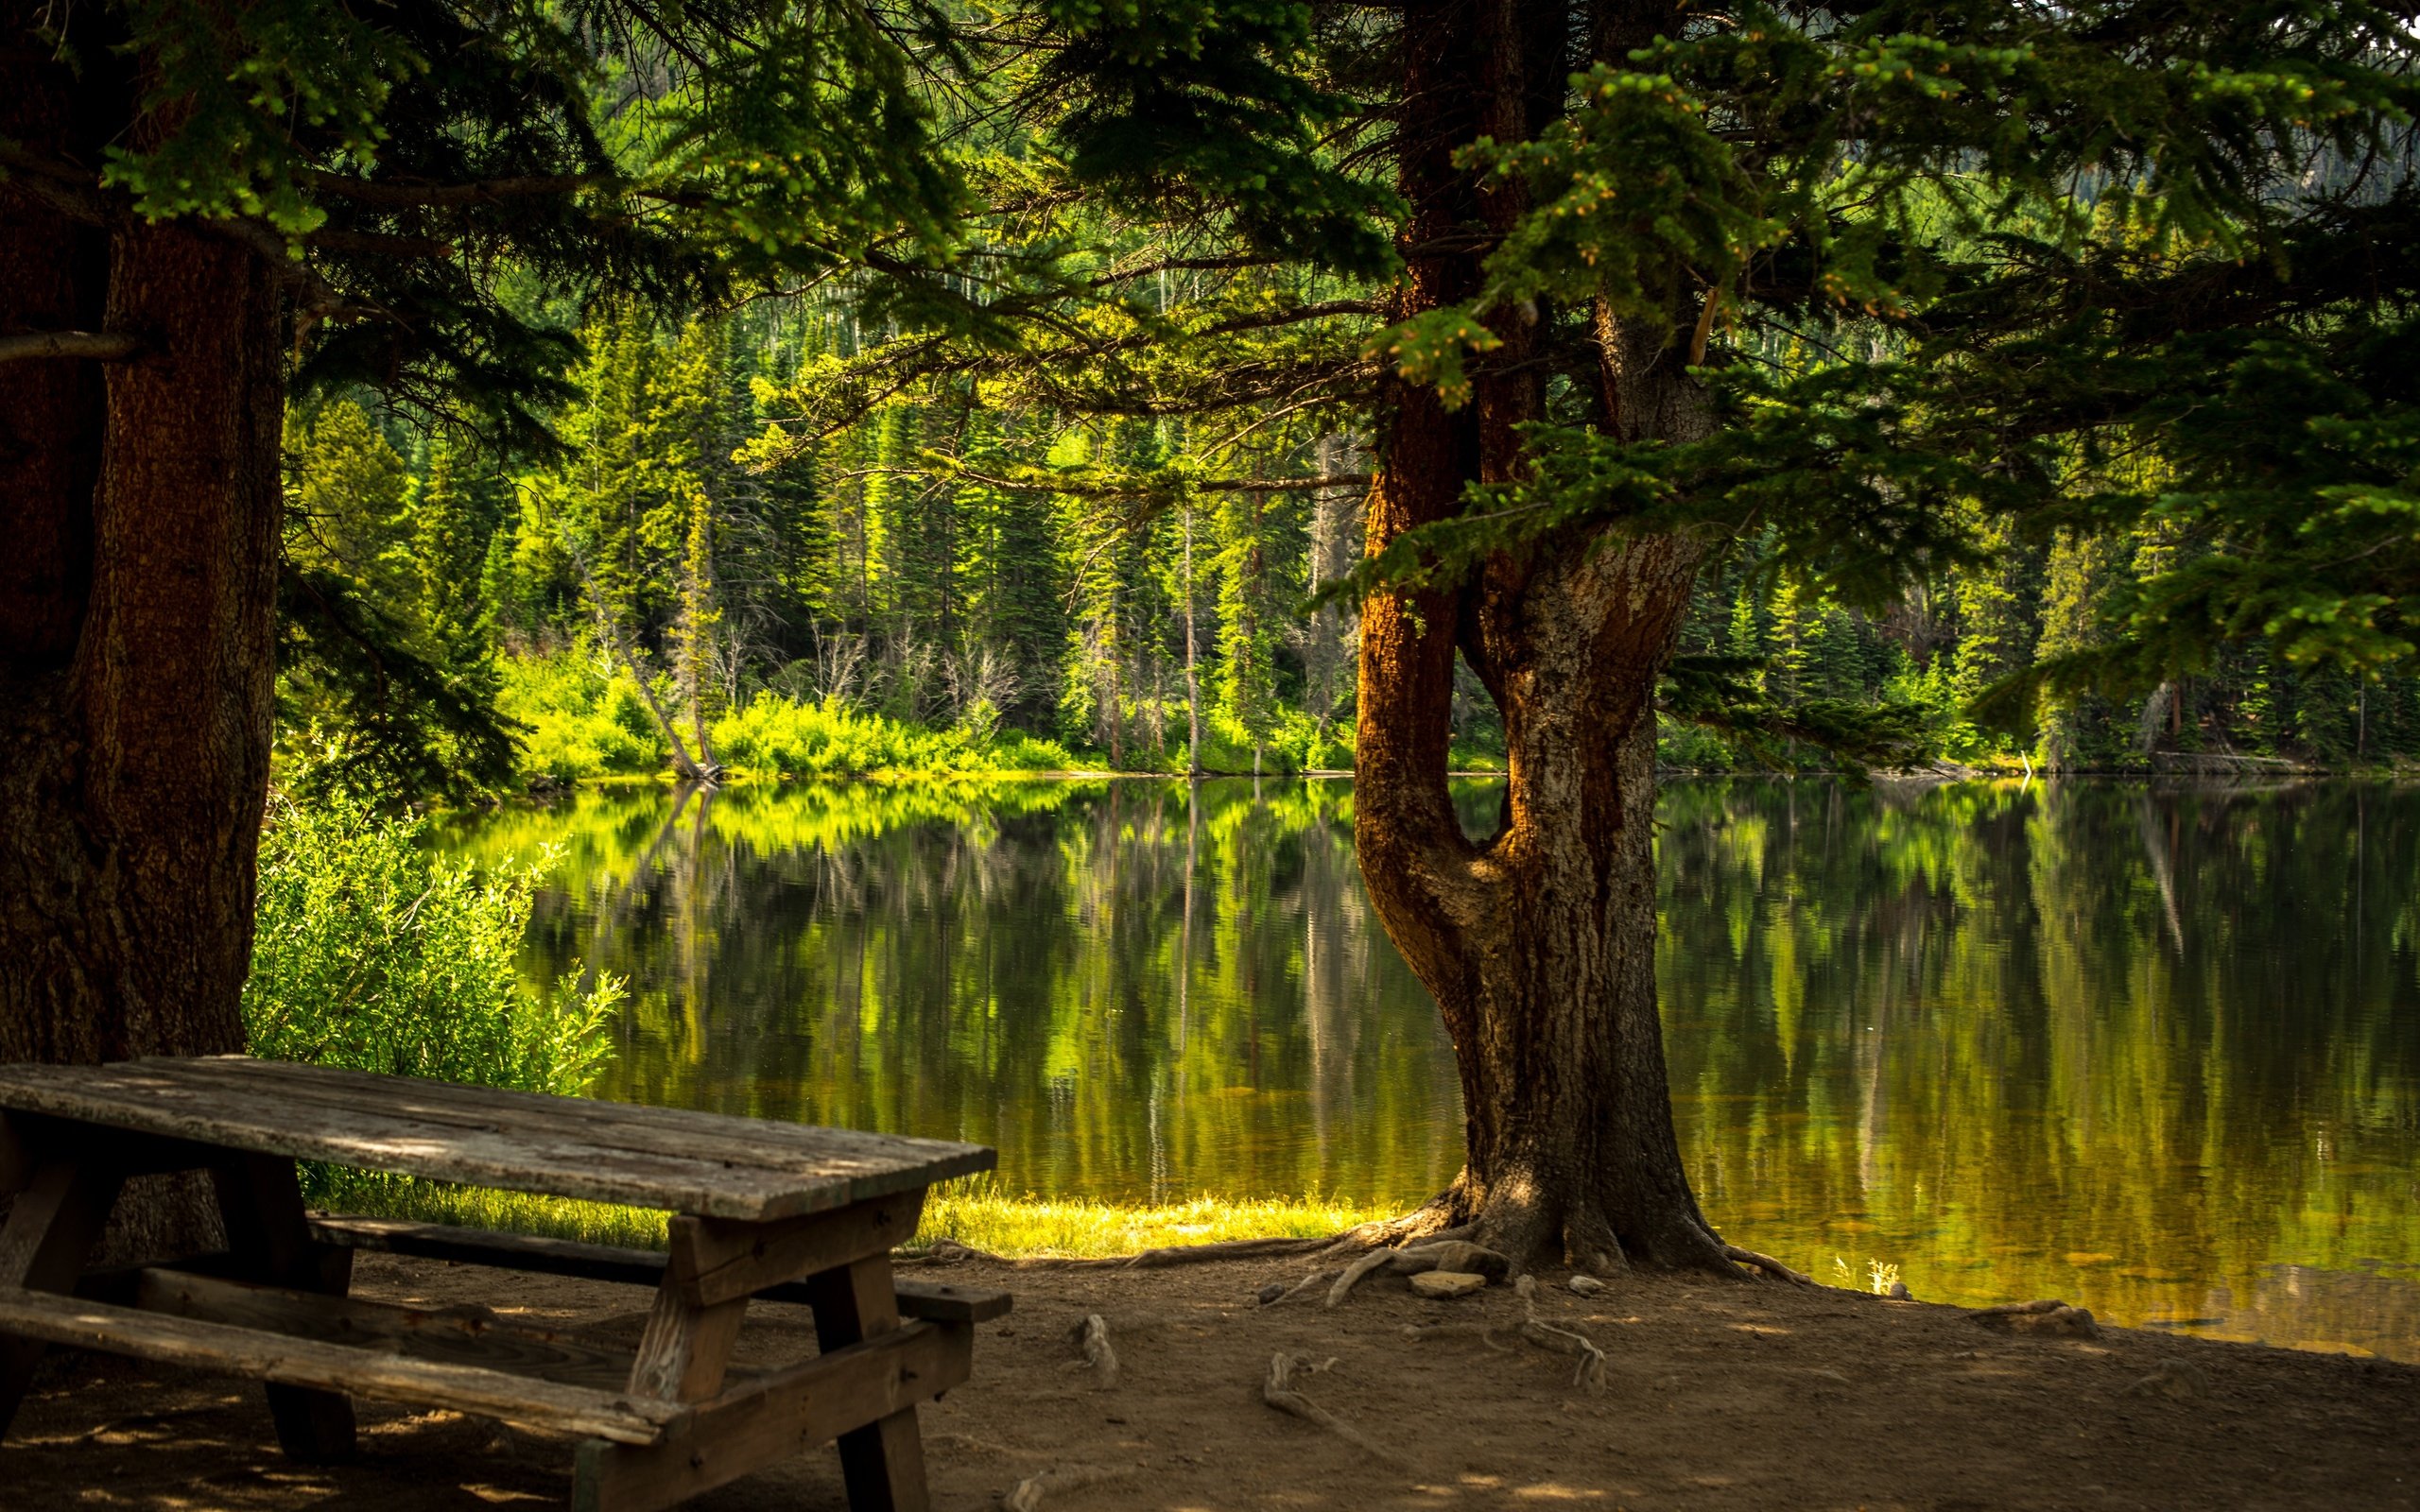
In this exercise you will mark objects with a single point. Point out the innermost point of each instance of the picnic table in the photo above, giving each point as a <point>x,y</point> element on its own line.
<point>762,1210</point>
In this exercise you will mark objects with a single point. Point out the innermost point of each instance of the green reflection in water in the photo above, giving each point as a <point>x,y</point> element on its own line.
<point>2156,1050</point>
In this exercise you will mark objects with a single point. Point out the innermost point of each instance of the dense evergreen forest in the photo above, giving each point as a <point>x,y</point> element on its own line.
<point>906,594</point>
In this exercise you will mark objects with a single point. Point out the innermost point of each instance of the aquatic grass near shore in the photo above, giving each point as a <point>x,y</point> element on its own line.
<point>976,1214</point>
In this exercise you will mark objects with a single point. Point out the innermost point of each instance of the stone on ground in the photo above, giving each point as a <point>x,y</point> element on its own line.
<point>1448,1283</point>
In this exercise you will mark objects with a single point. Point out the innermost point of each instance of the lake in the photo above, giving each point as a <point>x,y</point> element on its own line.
<point>2152,1049</point>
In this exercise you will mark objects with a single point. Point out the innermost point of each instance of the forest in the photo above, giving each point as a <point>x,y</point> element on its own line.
<point>940,584</point>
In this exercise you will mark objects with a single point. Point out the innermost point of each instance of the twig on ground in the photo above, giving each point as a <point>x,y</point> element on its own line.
<point>1091,1337</point>
<point>1030,1492</point>
<point>1278,1391</point>
<point>1590,1373</point>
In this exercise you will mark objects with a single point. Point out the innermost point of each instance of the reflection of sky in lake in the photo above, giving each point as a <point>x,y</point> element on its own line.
<point>2155,1051</point>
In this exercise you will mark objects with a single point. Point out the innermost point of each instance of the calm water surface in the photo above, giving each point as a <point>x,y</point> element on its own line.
<point>2154,1050</point>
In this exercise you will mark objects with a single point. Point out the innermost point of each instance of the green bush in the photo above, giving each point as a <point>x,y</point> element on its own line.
<point>578,722</point>
<point>371,951</point>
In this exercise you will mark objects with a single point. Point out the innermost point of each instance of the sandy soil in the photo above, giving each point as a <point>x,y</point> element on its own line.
<point>1718,1397</point>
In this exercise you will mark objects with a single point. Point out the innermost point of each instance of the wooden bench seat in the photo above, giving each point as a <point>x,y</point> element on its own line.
<point>614,1262</point>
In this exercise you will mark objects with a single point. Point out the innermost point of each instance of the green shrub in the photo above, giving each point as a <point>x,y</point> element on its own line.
<point>579,722</point>
<point>778,735</point>
<point>374,954</point>
<point>371,953</point>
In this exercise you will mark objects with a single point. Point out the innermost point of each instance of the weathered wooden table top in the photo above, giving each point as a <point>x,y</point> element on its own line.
<point>711,1164</point>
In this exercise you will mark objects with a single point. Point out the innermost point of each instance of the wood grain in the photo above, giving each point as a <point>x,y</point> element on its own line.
<point>665,1159</point>
<point>321,1366</point>
<point>774,1417</point>
<point>536,1253</point>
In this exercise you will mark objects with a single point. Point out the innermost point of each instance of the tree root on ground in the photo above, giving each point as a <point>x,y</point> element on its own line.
<point>1278,1292</point>
<point>1772,1268</point>
<point>2047,1315</point>
<point>1589,1375</point>
<point>1091,1337</point>
<point>1420,1332</point>
<point>1030,1492</point>
<point>1445,1254</point>
<point>1278,1391</point>
<point>1223,1250</point>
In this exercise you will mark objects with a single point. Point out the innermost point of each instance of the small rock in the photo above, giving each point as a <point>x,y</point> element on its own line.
<point>1272,1293</point>
<point>1586,1286</point>
<point>1446,1283</point>
<point>2172,1377</point>
<point>1899,1292</point>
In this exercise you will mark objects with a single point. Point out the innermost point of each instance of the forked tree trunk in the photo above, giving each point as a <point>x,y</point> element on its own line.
<point>1539,943</point>
<point>136,659</point>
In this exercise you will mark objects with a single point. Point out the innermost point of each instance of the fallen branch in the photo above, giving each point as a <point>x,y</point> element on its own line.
<point>1091,1337</point>
<point>1030,1492</point>
<point>1589,1374</point>
<point>1771,1267</point>
<point>1278,1391</point>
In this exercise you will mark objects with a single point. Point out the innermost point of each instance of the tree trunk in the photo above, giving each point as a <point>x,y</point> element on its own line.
<point>1539,943</point>
<point>142,510</point>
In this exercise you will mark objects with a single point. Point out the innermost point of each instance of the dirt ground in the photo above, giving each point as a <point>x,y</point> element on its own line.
<point>1717,1397</point>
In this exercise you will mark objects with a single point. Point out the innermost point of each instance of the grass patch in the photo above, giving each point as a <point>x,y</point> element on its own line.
<point>970,1213</point>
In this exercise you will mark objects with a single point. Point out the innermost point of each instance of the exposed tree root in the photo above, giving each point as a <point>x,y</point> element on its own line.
<point>2048,1316</point>
<point>1449,1254</point>
<point>1766,1263</point>
<point>1278,1391</point>
<point>1589,1375</point>
<point>1224,1249</point>
<point>1282,1293</point>
<point>1421,1333</point>
<point>1030,1492</point>
<point>1354,1273</point>
<point>1091,1337</point>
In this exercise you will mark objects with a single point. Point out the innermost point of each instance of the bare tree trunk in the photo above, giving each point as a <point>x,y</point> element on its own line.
<point>136,601</point>
<point>1192,658</point>
<point>1539,944</point>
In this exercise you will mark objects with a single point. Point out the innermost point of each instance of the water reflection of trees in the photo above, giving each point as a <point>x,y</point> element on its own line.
<point>1039,967</point>
<point>2135,1046</point>
<point>2131,1045</point>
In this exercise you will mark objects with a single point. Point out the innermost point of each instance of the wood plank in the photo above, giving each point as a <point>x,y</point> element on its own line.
<point>708,1163</point>
<point>724,1138</point>
<point>882,1464</point>
<point>304,1362</point>
<point>261,1205</point>
<point>452,1336</point>
<point>52,1224</point>
<point>546,1256</point>
<point>778,1414</point>
<point>714,1259</point>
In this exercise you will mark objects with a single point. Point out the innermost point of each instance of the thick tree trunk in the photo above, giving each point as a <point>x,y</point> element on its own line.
<point>1539,944</point>
<point>136,659</point>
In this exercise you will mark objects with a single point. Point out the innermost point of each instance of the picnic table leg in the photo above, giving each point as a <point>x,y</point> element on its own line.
<point>883,1463</point>
<point>261,1202</point>
<point>52,1226</point>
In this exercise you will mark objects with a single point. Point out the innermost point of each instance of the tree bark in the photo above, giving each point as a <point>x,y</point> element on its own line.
<point>1538,943</point>
<point>136,655</point>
